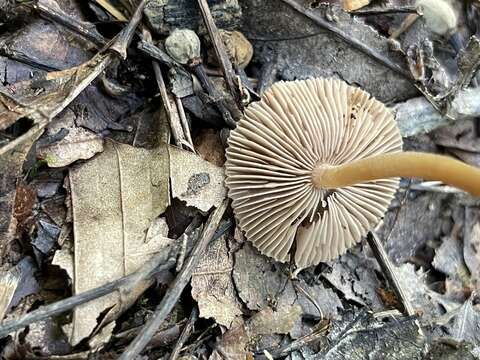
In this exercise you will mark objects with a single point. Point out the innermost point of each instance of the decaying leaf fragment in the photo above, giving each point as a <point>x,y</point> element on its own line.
<point>212,284</point>
<point>42,99</point>
<point>78,142</point>
<point>234,344</point>
<point>352,5</point>
<point>115,198</point>
<point>196,181</point>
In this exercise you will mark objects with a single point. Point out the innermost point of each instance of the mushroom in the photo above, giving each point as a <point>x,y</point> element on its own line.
<point>313,166</point>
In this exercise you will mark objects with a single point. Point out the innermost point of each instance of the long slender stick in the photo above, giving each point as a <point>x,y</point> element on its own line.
<point>187,330</point>
<point>406,164</point>
<point>389,272</point>
<point>62,306</point>
<point>219,48</point>
<point>85,29</point>
<point>176,288</point>
<point>356,43</point>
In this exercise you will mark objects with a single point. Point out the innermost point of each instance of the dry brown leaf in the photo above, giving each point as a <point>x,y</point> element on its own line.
<point>41,101</point>
<point>212,284</point>
<point>79,143</point>
<point>352,5</point>
<point>235,342</point>
<point>115,198</point>
<point>209,146</point>
<point>196,181</point>
<point>11,163</point>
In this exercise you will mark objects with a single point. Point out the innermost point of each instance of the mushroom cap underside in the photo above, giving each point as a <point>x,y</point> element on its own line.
<point>272,152</point>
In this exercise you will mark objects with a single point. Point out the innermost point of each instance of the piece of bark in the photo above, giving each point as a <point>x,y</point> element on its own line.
<point>163,16</point>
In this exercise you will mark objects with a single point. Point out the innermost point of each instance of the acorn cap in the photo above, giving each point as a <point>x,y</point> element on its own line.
<point>273,151</point>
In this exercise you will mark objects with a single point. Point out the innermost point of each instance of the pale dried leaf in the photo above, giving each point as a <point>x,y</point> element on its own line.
<point>64,259</point>
<point>8,284</point>
<point>257,278</point>
<point>196,181</point>
<point>212,284</point>
<point>471,243</point>
<point>78,144</point>
<point>269,321</point>
<point>423,299</point>
<point>115,198</point>
<point>103,337</point>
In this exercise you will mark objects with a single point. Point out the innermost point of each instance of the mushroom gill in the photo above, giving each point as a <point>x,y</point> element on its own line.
<point>297,130</point>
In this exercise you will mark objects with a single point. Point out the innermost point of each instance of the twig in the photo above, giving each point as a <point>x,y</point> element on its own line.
<point>186,332</point>
<point>111,9</point>
<point>310,298</point>
<point>7,51</point>
<point>405,25</point>
<point>215,96</point>
<point>156,265</point>
<point>180,132</point>
<point>85,29</point>
<point>389,272</point>
<point>402,9</point>
<point>124,38</point>
<point>176,288</point>
<point>183,120</point>
<point>301,342</point>
<point>147,48</point>
<point>189,233</point>
<point>436,186</point>
<point>356,43</point>
<point>219,48</point>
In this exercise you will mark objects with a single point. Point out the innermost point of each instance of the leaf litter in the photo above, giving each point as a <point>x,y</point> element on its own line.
<point>99,123</point>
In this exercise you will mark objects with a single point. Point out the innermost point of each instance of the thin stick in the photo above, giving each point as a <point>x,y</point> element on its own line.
<point>405,25</point>
<point>406,164</point>
<point>111,9</point>
<point>301,342</point>
<point>183,121</point>
<point>356,43</point>
<point>402,9</point>
<point>123,39</point>
<point>176,288</point>
<point>85,29</point>
<point>219,48</point>
<point>389,272</point>
<point>186,332</point>
<point>216,97</point>
<point>147,48</point>
<point>156,265</point>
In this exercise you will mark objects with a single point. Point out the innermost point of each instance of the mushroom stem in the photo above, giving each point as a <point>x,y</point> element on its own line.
<point>402,164</point>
